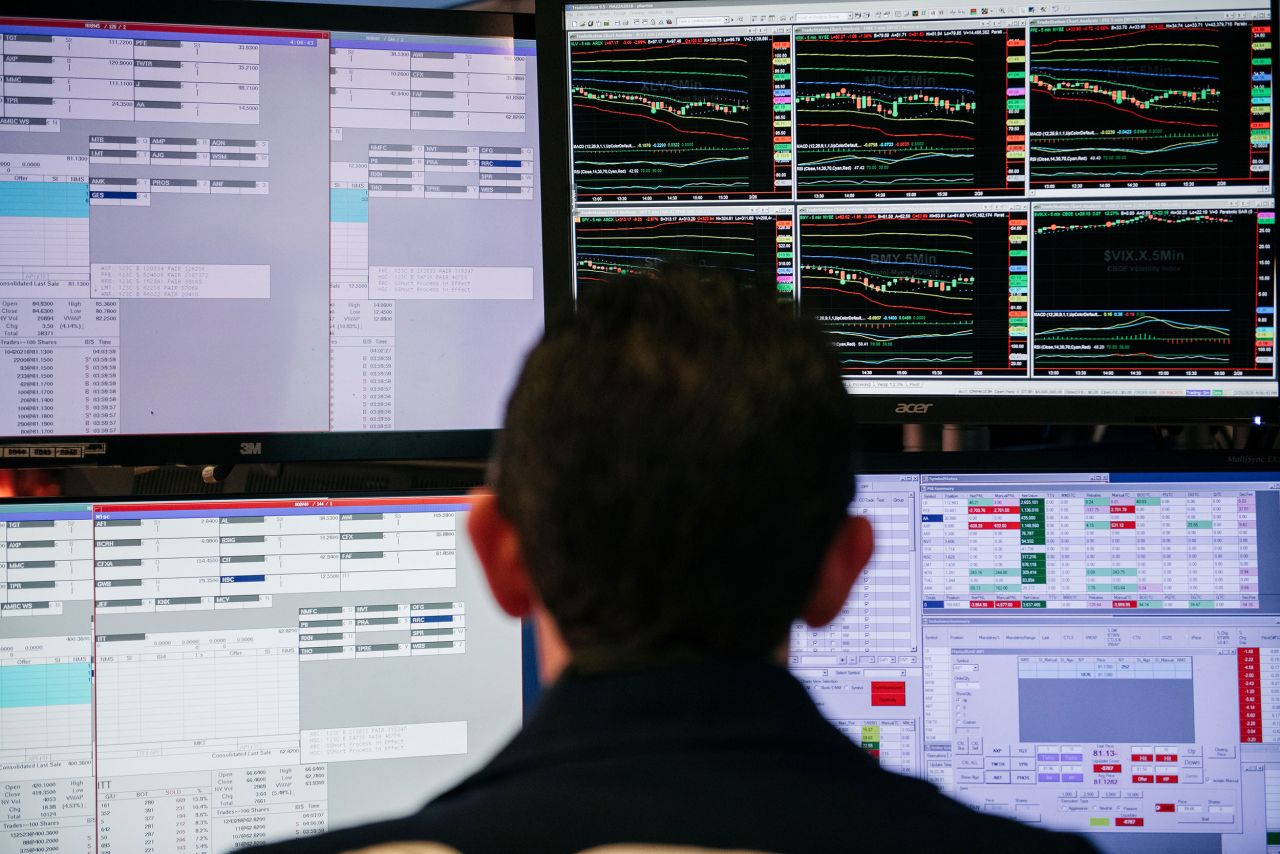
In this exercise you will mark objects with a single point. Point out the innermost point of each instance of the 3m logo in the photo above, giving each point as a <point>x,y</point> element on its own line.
<point>250,449</point>
<point>912,408</point>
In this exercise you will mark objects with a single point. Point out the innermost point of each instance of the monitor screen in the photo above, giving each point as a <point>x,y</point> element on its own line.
<point>1092,650</point>
<point>201,675</point>
<point>244,228</point>
<point>1050,202</point>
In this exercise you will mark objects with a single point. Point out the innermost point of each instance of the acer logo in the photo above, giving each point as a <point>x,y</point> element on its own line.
<point>250,449</point>
<point>912,408</point>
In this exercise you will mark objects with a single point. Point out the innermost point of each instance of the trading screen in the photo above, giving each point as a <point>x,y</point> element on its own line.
<point>198,676</point>
<point>219,230</point>
<point>1073,199</point>
<point>1093,651</point>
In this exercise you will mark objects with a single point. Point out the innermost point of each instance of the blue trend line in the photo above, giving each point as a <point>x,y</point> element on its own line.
<point>1035,67</point>
<point>640,84</point>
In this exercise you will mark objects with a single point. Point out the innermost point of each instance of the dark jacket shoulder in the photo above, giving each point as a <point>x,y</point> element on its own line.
<point>713,754</point>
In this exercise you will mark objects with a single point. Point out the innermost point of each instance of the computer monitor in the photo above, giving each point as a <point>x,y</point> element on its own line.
<point>1069,208</point>
<point>200,675</point>
<point>1085,646</point>
<point>263,230</point>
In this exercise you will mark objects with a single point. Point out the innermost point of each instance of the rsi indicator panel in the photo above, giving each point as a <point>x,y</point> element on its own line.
<point>1128,155</point>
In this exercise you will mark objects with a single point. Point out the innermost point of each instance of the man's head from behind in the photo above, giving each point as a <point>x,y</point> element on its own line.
<point>674,474</point>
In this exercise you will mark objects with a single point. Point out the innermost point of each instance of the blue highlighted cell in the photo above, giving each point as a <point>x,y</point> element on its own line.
<point>27,685</point>
<point>441,618</point>
<point>348,205</point>
<point>931,517</point>
<point>238,579</point>
<point>44,199</point>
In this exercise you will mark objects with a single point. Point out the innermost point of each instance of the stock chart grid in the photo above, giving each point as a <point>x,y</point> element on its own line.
<point>1008,197</point>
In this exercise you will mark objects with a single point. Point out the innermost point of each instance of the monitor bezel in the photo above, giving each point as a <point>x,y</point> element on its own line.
<point>263,446</point>
<point>985,409</point>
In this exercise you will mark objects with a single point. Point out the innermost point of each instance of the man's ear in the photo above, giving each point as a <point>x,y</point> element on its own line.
<point>498,547</point>
<point>848,554</point>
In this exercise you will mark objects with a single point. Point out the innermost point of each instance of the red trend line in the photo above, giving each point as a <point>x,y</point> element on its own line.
<point>661,122</point>
<point>1133,113</point>
<point>889,305</point>
<point>1122,35</point>
<point>878,130</point>
<point>651,47</point>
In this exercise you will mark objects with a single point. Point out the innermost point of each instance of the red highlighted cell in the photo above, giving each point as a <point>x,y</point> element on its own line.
<point>976,604</point>
<point>888,693</point>
<point>1004,603</point>
<point>1124,603</point>
<point>1106,768</point>
<point>1129,821</point>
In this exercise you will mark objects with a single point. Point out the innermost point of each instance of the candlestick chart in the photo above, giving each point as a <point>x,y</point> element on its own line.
<point>918,113</point>
<point>915,293</point>
<point>1151,293</point>
<point>677,119</point>
<point>751,246</point>
<point>1145,105</point>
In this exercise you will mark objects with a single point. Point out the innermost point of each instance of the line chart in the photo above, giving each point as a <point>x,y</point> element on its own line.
<point>681,119</point>
<point>1145,106</point>
<point>1152,293</point>
<point>758,246</point>
<point>909,113</point>
<point>918,293</point>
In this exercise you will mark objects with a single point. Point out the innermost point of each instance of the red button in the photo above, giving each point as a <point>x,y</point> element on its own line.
<point>1165,808</point>
<point>1167,778</point>
<point>1142,757</point>
<point>1129,821</point>
<point>1142,778</point>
